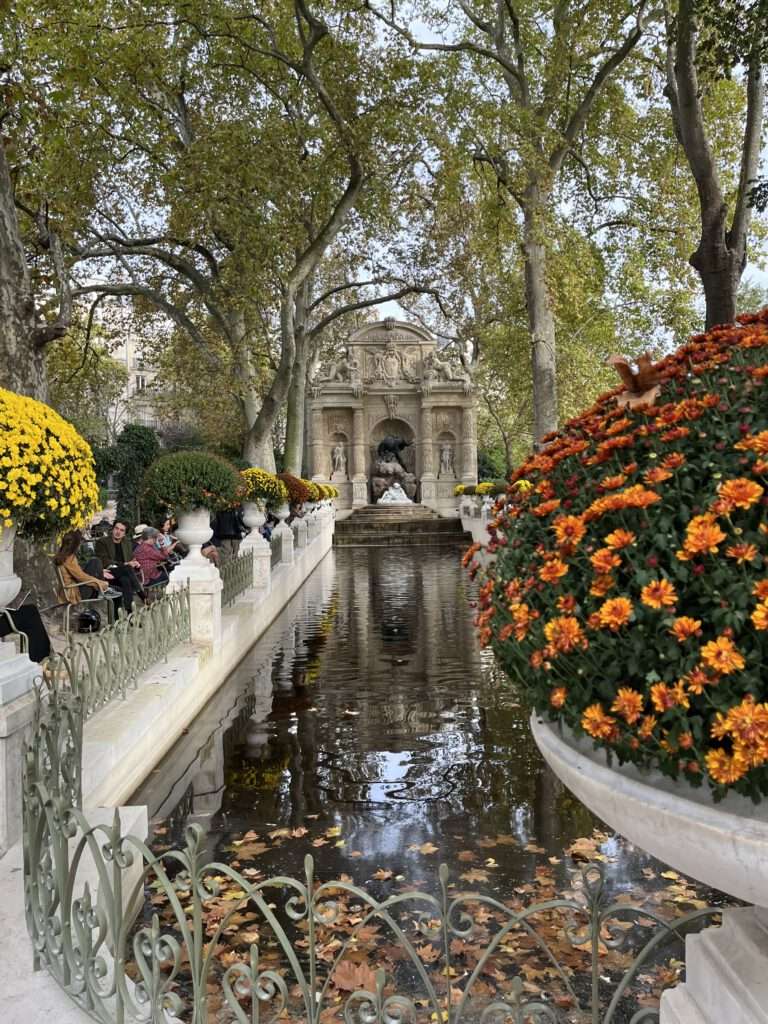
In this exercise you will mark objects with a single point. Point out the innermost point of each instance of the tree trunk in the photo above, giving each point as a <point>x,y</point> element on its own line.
<point>296,406</point>
<point>541,320</point>
<point>22,362</point>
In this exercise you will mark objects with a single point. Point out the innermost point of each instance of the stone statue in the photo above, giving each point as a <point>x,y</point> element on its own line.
<point>338,461</point>
<point>390,447</point>
<point>344,371</point>
<point>446,460</point>
<point>394,495</point>
<point>437,368</point>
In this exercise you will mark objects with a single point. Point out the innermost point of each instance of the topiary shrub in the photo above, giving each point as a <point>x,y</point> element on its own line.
<point>629,593</point>
<point>184,481</point>
<point>135,449</point>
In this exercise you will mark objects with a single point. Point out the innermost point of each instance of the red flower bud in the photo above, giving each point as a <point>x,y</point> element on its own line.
<point>698,570</point>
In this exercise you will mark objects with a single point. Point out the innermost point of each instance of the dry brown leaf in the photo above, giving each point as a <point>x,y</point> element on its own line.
<point>349,977</point>
<point>475,875</point>
<point>382,874</point>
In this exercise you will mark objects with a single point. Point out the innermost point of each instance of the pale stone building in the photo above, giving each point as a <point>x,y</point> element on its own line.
<point>393,385</point>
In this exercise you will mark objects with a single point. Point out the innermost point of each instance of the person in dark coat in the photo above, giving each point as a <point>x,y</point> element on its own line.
<point>116,554</point>
<point>228,529</point>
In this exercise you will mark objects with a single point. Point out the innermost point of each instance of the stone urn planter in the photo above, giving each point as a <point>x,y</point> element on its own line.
<point>194,530</point>
<point>10,584</point>
<point>724,845</point>
<point>254,518</point>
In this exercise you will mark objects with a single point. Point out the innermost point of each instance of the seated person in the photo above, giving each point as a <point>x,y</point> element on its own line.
<point>152,554</point>
<point>80,583</point>
<point>116,554</point>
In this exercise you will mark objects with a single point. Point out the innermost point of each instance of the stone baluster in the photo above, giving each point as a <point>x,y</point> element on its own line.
<point>299,534</point>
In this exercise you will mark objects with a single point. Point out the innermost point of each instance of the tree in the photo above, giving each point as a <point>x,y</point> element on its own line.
<point>86,385</point>
<point>228,153</point>
<point>541,69</point>
<point>721,255</point>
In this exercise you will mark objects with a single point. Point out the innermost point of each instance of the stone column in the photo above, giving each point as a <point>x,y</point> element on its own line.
<point>282,535</point>
<point>359,475</point>
<point>16,719</point>
<point>300,534</point>
<point>428,478</point>
<point>468,445</point>
<point>317,444</point>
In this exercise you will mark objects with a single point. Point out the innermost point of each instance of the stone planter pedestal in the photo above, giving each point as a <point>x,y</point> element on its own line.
<point>724,845</point>
<point>282,535</point>
<point>254,519</point>
<point>17,703</point>
<point>202,577</point>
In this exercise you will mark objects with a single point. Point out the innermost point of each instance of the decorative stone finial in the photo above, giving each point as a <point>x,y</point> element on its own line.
<point>389,323</point>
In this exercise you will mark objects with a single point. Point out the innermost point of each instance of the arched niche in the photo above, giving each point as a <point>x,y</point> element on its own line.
<point>450,472</point>
<point>393,427</point>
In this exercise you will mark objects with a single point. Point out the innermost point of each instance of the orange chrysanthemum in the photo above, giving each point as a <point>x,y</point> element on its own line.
<point>742,552</point>
<point>658,594</point>
<point>629,704</point>
<point>648,724</point>
<point>673,461</point>
<point>546,507</point>
<point>656,475</point>
<point>610,483</point>
<point>684,627</point>
<point>620,539</point>
<point>760,590</point>
<point>597,723</point>
<point>724,768</point>
<point>605,560</point>
<point>558,696</point>
<point>553,570</point>
<point>702,536</point>
<point>722,655</point>
<point>759,616</point>
<point>741,492</point>
<point>756,443</point>
<point>662,697</point>
<point>566,603</point>
<point>602,584</point>
<point>565,633</point>
<point>569,529</point>
<point>615,613</point>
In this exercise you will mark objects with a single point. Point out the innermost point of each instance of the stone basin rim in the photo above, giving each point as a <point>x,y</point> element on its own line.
<point>723,845</point>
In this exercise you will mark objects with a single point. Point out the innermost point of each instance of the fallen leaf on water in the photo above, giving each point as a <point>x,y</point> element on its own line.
<point>279,833</point>
<point>297,833</point>
<point>533,848</point>
<point>467,855</point>
<point>475,875</point>
<point>356,853</point>
<point>428,954</point>
<point>670,874</point>
<point>334,830</point>
<point>424,848</point>
<point>348,711</point>
<point>382,874</point>
<point>350,977</point>
<point>320,842</point>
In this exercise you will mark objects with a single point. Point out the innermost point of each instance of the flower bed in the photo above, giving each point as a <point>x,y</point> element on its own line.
<point>298,489</point>
<point>629,593</point>
<point>47,479</point>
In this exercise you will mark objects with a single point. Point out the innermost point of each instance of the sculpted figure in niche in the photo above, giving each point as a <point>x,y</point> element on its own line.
<point>446,460</point>
<point>338,461</point>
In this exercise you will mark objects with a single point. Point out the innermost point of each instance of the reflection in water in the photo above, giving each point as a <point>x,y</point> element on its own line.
<point>371,708</point>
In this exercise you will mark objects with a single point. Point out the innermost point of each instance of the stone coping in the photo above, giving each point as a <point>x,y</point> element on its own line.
<point>723,845</point>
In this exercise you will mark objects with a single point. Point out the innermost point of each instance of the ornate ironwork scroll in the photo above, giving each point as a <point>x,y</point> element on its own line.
<point>131,934</point>
<point>102,666</point>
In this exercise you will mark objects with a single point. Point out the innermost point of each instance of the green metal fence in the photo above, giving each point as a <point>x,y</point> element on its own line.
<point>135,935</point>
<point>101,667</point>
<point>237,577</point>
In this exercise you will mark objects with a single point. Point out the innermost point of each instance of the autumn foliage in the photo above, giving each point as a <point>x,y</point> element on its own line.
<point>629,593</point>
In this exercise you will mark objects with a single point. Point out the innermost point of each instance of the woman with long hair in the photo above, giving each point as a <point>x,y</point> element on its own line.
<point>79,582</point>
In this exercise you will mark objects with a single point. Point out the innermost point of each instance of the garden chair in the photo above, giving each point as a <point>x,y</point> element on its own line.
<point>64,588</point>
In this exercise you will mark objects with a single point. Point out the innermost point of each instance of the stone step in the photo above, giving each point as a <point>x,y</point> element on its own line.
<point>726,969</point>
<point>435,525</point>
<point>679,1007</point>
<point>381,538</point>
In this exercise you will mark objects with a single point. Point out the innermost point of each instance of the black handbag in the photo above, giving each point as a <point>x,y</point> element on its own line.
<point>88,621</point>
